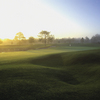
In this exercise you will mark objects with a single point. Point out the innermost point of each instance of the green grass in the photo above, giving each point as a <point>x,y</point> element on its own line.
<point>60,73</point>
<point>34,46</point>
<point>10,48</point>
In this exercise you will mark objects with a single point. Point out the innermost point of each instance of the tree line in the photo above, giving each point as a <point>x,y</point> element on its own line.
<point>46,38</point>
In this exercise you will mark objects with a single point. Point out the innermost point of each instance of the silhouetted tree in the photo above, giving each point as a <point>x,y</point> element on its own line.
<point>69,40</point>
<point>19,36</point>
<point>96,38</point>
<point>31,39</point>
<point>63,40</point>
<point>23,41</point>
<point>50,38</point>
<point>82,40</point>
<point>43,35</point>
<point>87,39</point>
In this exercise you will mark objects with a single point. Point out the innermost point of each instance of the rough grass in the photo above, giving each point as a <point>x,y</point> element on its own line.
<point>51,74</point>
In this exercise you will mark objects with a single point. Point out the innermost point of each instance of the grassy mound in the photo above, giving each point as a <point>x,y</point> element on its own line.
<point>84,57</point>
<point>62,76</point>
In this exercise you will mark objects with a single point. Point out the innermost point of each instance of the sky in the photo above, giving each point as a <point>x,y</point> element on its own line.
<point>62,18</point>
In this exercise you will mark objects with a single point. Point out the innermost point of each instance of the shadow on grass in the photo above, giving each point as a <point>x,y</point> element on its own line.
<point>71,58</point>
<point>49,61</point>
<point>39,75</point>
<point>33,84</point>
<point>89,58</point>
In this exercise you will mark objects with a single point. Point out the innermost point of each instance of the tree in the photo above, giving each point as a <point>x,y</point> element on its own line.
<point>23,41</point>
<point>82,40</point>
<point>50,38</point>
<point>31,39</point>
<point>19,36</point>
<point>96,38</point>
<point>87,39</point>
<point>43,35</point>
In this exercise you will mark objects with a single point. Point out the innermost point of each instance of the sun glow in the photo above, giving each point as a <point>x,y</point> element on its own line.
<point>32,16</point>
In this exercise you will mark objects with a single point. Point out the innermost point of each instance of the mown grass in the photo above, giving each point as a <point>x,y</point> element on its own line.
<point>50,74</point>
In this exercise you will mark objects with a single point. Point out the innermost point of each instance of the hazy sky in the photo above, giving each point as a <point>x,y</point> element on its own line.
<point>63,18</point>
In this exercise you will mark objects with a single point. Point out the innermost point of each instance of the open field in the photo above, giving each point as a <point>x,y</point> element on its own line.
<point>10,48</point>
<point>57,73</point>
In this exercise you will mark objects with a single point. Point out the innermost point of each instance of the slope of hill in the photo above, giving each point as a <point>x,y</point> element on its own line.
<point>60,76</point>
